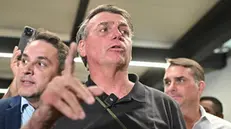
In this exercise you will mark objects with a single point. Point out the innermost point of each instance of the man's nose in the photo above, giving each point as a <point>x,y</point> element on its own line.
<point>172,87</point>
<point>116,34</point>
<point>28,69</point>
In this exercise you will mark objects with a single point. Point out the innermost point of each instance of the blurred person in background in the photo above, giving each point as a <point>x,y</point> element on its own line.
<point>184,82</point>
<point>212,105</point>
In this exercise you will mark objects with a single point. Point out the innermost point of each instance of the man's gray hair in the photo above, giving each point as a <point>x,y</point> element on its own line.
<point>83,32</point>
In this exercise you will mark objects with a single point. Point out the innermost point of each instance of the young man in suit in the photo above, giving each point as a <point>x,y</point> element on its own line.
<point>42,60</point>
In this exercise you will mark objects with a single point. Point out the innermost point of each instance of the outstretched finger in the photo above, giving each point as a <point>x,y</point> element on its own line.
<point>69,62</point>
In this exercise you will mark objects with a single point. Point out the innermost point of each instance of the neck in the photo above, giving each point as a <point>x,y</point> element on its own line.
<point>34,102</point>
<point>191,115</point>
<point>111,80</point>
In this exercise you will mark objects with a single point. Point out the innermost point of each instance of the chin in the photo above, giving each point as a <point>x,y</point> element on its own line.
<point>181,103</point>
<point>25,94</point>
<point>28,94</point>
<point>178,100</point>
<point>118,62</point>
<point>31,96</point>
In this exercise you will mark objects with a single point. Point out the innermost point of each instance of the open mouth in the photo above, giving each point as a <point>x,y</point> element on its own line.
<point>27,82</point>
<point>117,48</point>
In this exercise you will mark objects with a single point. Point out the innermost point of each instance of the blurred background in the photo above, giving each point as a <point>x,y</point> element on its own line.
<point>197,29</point>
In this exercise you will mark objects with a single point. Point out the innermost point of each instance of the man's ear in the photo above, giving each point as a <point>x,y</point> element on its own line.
<point>81,48</point>
<point>201,86</point>
<point>221,116</point>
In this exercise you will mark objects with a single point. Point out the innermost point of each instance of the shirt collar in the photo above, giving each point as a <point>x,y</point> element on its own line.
<point>204,121</point>
<point>138,90</point>
<point>137,93</point>
<point>24,104</point>
<point>204,114</point>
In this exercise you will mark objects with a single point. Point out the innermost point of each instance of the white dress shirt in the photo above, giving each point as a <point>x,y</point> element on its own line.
<point>209,121</point>
<point>26,111</point>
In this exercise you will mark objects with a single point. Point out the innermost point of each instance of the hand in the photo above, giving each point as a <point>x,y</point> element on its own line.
<point>14,63</point>
<point>64,93</point>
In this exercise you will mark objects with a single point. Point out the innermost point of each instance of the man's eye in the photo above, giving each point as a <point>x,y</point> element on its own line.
<point>24,61</point>
<point>125,32</point>
<point>167,83</point>
<point>105,29</point>
<point>180,80</point>
<point>42,64</point>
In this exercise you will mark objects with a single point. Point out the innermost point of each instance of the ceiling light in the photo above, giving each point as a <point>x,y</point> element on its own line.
<point>221,50</point>
<point>3,91</point>
<point>132,63</point>
<point>7,55</point>
<point>148,64</point>
<point>137,63</point>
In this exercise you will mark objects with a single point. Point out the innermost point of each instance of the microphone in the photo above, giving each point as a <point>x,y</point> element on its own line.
<point>111,100</point>
<point>107,104</point>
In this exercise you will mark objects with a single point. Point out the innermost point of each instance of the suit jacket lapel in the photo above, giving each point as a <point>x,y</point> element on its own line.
<point>13,114</point>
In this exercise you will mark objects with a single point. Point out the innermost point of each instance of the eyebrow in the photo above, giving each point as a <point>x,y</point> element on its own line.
<point>180,77</point>
<point>103,23</point>
<point>25,55</point>
<point>165,79</point>
<point>121,24</point>
<point>39,57</point>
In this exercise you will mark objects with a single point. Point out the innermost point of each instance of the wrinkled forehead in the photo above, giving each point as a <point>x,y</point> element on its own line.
<point>107,17</point>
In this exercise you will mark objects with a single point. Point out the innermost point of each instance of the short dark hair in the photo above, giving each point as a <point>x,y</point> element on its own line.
<point>54,40</point>
<point>217,105</point>
<point>82,32</point>
<point>197,69</point>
